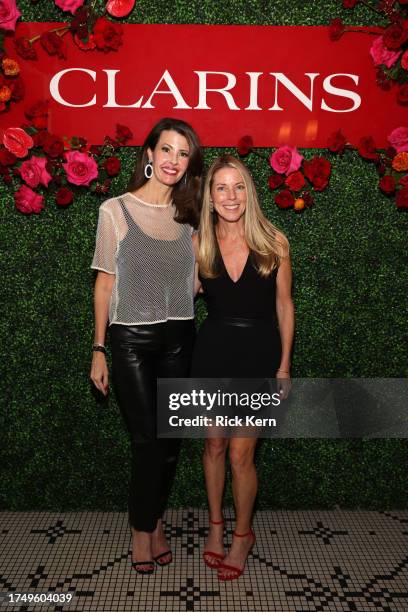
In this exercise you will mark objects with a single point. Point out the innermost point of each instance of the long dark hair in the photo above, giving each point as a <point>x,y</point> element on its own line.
<point>186,194</point>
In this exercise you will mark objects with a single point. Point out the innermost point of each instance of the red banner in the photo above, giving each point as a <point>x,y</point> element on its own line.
<point>279,84</point>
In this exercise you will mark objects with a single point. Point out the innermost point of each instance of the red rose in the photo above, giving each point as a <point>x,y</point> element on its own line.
<point>395,35</point>
<point>336,29</point>
<point>7,158</point>
<point>86,44</point>
<point>38,113</point>
<point>64,196</point>
<point>80,19</point>
<point>390,152</point>
<point>57,179</point>
<point>275,181</point>
<point>318,170</point>
<point>381,168</point>
<point>112,166</point>
<point>17,89</point>
<point>82,32</point>
<point>295,181</point>
<point>308,199</point>
<point>387,184</point>
<point>404,181</point>
<point>53,146</point>
<point>402,96</point>
<point>95,150</point>
<point>401,199</point>
<point>366,148</point>
<point>53,44</point>
<point>383,81</point>
<point>77,142</point>
<point>123,133</point>
<point>245,145</point>
<point>349,4</point>
<point>284,199</point>
<point>24,48</point>
<point>111,142</point>
<point>38,109</point>
<point>107,35</point>
<point>337,142</point>
<point>40,138</point>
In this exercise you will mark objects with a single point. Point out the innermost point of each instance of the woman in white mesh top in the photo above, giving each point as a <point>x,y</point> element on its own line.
<point>144,288</point>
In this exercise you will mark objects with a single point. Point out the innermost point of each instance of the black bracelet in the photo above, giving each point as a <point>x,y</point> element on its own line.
<point>99,348</point>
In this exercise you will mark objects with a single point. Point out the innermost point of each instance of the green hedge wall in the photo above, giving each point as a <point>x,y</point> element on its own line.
<point>61,447</point>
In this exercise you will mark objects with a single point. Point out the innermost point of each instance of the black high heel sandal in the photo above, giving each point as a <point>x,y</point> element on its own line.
<point>164,554</point>
<point>141,570</point>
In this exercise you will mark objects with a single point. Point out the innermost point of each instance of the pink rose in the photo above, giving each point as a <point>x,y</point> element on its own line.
<point>69,5</point>
<point>81,168</point>
<point>17,141</point>
<point>33,171</point>
<point>399,139</point>
<point>286,160</point>
<point>27,201</point>
<point>382,55</point>
<point>9,14</point>
<point>404,60</point>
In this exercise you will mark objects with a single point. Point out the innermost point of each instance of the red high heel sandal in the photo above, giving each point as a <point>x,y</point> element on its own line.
<point>237,571</point>
<point>213,559</point>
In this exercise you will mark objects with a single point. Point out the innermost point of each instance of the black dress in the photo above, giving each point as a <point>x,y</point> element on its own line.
<point>240,336</point>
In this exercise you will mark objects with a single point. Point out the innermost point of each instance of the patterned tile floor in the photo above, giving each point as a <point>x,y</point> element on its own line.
<point>302,561</point>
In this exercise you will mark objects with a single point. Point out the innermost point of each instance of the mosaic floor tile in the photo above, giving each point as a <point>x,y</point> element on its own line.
<point>303,561</point>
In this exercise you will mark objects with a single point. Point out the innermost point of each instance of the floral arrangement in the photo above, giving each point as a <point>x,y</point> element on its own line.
<point>294,178</point>
<point>36,161</point>
<point>297,178</point>
<point>12,88</point>
<point>389,50</point>
<point>391,164</point>
<point>89,30</point>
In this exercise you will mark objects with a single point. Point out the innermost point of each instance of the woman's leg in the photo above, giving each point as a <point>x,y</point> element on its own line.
<point>244,489</point>
<point>134,353</point>
<point>214,471</point>
<point>174,362</point>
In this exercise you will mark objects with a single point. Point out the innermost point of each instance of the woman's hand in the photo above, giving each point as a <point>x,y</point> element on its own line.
<point>284,383</point>
<point>99,372</point>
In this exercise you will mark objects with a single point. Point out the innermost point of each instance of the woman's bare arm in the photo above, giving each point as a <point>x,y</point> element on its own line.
<point>102,295</point>
<point>285,312</point>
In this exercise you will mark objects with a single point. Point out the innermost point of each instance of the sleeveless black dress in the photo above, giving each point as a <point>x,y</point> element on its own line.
<point>240,336</point>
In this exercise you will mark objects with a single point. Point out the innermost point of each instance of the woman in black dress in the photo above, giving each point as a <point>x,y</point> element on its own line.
<point>245,275</point>
<point>144,288</point>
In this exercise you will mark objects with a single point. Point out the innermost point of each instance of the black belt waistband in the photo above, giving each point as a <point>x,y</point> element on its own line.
<point>243,322</point>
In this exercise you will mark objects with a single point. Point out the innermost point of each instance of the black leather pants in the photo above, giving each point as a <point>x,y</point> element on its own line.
<point>140,355</point>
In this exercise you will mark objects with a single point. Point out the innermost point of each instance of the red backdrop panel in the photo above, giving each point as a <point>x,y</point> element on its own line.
<point>183,50</point>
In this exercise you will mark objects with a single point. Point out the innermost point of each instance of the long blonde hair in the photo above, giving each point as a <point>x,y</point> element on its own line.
<point>267,244</point>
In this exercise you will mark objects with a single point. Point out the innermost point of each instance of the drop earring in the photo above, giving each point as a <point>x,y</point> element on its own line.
<point>148,171</point>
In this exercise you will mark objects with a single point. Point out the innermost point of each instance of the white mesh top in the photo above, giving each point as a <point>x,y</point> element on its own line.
<point>152,258</point>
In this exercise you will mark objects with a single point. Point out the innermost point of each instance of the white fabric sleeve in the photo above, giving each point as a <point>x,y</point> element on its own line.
<point>106,244</point>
